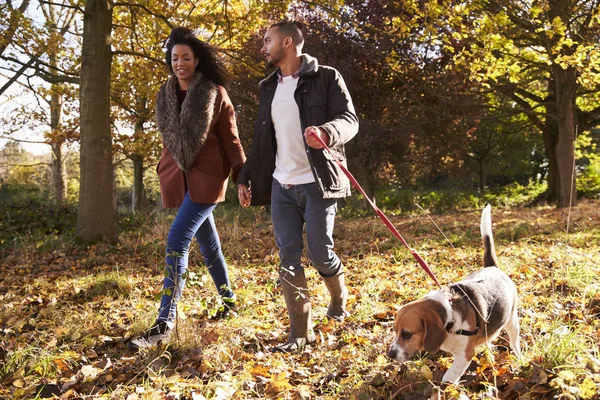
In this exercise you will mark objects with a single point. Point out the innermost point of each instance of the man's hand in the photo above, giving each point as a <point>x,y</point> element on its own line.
<point>244,195</point>
<point>310,139</point>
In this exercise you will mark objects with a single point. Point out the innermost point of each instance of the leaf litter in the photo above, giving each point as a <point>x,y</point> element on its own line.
<point>66,318</point>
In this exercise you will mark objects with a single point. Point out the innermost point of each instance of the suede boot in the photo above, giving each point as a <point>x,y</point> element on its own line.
<point>339,296</point>
<point>297,302</point>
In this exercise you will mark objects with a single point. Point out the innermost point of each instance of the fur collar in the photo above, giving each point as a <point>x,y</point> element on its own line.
<point>184,131</point>
<point>310,66</point>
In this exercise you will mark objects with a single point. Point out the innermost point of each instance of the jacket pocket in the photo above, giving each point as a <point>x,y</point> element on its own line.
<point>316,100</point>
<point>332,176</point>
<point>316,108</point>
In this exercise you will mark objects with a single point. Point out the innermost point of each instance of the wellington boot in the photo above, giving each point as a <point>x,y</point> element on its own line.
<point>339,296</point>
<point>297,301</point>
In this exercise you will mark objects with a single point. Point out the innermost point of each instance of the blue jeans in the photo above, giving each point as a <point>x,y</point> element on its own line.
<point>295,207</point>
<point>192,220</point>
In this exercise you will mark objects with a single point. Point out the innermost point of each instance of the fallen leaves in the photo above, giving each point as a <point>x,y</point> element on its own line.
<point>64,322</point>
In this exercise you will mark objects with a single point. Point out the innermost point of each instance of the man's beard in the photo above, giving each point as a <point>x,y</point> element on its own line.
<point>275,59</point>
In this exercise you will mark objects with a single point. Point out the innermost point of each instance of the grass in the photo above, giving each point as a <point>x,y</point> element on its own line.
<point>66,312</point>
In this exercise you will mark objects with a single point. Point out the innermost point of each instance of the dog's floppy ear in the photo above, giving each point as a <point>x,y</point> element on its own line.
<point>435,334</point>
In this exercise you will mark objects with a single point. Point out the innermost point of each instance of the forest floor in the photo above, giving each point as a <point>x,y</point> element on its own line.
<point>67,312</point>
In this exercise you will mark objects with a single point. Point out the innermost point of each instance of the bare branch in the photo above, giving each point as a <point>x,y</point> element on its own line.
<point>5,164</point>
<point>21,140</point>
<point>50,3</point>
<point>528,110</point>
<point>157,15</point>
<point>34,64</point>
<point>136,54</point>
<point>17,74</point>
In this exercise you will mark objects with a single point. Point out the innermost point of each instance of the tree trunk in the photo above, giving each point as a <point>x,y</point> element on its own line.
<point>138,200</point>
<point>481,177</point>
<point>59,187</point>
<point>59,178</point>
<point>137,196</point>
<point>550,139</point>
<point>115,198</point>
<point>96,214</point>
<point>364,178</point>
<point>565,81</point>
<point>565,148</point>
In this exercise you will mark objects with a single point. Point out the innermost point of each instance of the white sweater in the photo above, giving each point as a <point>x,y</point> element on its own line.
<point>291,161</point>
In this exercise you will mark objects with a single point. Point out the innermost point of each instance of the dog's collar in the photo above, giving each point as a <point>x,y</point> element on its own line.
<point>449,325</point>
<point>462,332</point>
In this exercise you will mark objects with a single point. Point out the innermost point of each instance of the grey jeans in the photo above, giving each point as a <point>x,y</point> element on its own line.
<point>291,209</point>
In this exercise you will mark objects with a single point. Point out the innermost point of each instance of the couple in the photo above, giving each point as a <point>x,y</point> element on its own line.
<point>288,169</point>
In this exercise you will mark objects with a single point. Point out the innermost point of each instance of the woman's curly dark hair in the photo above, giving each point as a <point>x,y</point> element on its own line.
<point>210,63</point>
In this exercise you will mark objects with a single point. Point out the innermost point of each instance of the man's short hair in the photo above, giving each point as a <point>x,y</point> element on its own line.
<point>292,29</point>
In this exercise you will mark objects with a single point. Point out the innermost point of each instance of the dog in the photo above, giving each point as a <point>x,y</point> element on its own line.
<point>461,316</point>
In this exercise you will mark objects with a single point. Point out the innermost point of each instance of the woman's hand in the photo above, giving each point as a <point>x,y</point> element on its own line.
<point>244,195</point>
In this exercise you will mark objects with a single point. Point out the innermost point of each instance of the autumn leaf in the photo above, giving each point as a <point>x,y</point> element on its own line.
<point>278,384</point>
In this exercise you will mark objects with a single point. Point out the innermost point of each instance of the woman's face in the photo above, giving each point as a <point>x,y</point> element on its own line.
<point>183,62</point>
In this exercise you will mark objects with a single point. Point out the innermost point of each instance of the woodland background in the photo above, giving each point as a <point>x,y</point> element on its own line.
<point>461,103</point>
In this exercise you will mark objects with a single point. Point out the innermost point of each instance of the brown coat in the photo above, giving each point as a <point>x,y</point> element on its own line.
<point>202,138</point>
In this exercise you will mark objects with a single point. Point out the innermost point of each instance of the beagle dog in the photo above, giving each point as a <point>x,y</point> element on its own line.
<point>461,316</point>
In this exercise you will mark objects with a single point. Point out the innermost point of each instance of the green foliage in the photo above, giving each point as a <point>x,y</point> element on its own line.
<point>40,360</point>
<point>516,194</point>
<point>114,284</point>
<point>588,180</point>
<point>27,213</point>
<point>561,345</point>
<point>395,201</point>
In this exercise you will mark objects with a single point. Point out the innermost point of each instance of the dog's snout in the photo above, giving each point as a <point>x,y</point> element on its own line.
<point>392,353</point>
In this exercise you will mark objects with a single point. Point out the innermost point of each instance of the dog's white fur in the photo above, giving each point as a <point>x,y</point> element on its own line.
<point>481,305</point>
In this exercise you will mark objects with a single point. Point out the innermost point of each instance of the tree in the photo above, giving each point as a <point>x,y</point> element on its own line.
<point>539,55</point>
<point>414,112</point>
<point>53,60</point>
<point>500,151</point>
<point>96,214</point>
<point>139,68</point>
<point>59,20</point>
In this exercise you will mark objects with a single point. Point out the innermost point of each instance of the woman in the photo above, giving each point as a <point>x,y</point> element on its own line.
<point>200,147</point>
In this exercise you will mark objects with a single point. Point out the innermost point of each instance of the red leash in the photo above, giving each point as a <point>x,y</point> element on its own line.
<point>381,215</point>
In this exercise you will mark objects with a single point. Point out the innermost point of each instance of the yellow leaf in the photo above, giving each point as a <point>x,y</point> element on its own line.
<point>567,375</point>
<point>381,359</point>
<point>426,372</point>
<point>278,384</point>
<point>18,383</point>
<point>587,389</point>
<point>260,370</point>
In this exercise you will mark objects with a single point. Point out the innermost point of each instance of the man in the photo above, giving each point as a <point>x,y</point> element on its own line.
<point>289,169</point>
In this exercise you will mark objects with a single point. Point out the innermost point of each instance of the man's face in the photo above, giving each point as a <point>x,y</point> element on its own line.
<point>272,48</point>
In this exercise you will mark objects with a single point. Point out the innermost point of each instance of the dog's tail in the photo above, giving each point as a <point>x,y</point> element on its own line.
<point>489,252</point>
